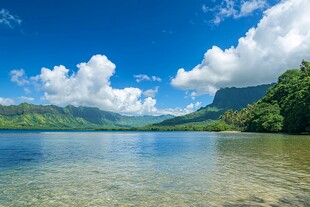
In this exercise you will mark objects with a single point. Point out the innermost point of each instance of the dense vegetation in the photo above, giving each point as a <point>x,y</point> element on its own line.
<point>225,99</point>
<point>29,116</point>
<point>285,107</point>
<point>209,125</point>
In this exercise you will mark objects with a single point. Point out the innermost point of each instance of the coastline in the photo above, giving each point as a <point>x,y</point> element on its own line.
<point>140,130</point>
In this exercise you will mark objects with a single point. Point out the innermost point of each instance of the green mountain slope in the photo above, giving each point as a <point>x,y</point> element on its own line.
<point>29,116</point>
<point>285,107</point>
<point>238,98</point>
<point>225,99</point>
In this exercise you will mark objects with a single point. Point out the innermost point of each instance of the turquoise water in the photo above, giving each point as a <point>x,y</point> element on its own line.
<point>153,169</point>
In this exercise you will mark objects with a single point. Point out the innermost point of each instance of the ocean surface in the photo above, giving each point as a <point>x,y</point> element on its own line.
<point>153,169</point>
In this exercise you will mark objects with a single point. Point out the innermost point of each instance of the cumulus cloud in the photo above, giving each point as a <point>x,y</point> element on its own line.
<point>8,19</point>
<point>143,77</point>
<point>151,92</point>
<point>279,42</point>
<point>90,86</point>
<point>6,101</point>
<point>19,77</point>
<point>234,9</point>
<point>180,111</point>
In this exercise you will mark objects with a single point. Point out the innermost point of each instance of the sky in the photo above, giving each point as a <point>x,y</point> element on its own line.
<point>143,57</point>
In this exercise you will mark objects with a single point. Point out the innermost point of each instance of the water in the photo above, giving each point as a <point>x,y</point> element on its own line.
<point>153,169</point>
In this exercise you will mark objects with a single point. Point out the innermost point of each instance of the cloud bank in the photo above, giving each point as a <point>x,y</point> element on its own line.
<point>6,101</point>
<point>90,86</point>
<point>279,42</point>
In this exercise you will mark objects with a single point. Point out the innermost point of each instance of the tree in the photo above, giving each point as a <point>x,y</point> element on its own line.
<point>266,118</point>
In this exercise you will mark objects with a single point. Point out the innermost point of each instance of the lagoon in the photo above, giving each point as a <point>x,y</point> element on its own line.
<point>153,169</point>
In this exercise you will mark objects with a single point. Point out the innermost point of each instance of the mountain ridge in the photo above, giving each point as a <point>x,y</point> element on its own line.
<point>240,98</point>
<point>32,116</point>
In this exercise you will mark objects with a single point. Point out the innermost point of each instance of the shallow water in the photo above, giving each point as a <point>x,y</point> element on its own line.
<point>153,169</point>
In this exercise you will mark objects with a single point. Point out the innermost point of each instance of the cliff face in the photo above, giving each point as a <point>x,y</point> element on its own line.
<point>225,99</point>
<point>238,98</point>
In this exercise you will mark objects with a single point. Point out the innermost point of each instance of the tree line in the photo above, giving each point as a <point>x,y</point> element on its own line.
<point>285,107</point>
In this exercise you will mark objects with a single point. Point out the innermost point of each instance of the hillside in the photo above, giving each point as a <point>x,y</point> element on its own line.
<point>225,99</point>
<point>238,98</point>
<point>285,107</point>
<point>29,116</point>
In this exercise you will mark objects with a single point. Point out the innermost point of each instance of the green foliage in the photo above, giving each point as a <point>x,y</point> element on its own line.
<point>265,118</point>
<point>210,125</point>
<point>292,93</point>
<point>239,120</point>
<point>29,116</point>
<point>225,99</point>
<point>305,68</point>
<point>198,116</point>
<point>218,126</point>
<point>285,107</point>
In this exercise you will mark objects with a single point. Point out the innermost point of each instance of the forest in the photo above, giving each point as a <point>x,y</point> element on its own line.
<point>285,107</point>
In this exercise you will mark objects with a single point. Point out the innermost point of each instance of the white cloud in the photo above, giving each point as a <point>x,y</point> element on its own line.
<point>6,101</point>
<point>143,77</point>
<point>155,78</point>
<point>279,42</point>
<point>234,9</point>
<point>248,7</point>
<point>19,77</point>
<point>90,86</point>
<point>8,19</point>
<point>227,9</point>
<point>204,8</point>
<point>26,99</point>
<point>151,92</point>
<point>180,111</point>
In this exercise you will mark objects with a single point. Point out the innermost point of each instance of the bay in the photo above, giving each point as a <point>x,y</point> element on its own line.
<point>153,169</point>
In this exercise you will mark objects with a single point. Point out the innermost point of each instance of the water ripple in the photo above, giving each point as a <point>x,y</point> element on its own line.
<point>154,169</point>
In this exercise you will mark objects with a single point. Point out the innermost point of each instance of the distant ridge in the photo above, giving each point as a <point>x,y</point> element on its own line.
<point>224,99</point>
<point>30,116</point>
<point>238,98</point>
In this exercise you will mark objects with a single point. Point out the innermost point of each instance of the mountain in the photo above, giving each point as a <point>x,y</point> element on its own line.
<point>29,116</point>
<point>238,98</point>
<point>285,107</point>
<point>225,99</point>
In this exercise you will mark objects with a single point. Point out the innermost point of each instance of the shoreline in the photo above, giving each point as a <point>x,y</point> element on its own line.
<point>134,130</point>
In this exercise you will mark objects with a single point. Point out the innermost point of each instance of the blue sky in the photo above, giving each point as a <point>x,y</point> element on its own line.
<point>142,39</point>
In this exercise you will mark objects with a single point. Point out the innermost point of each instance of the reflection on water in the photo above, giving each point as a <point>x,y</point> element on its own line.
<point>275,168</point>
<point>153,169</point>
